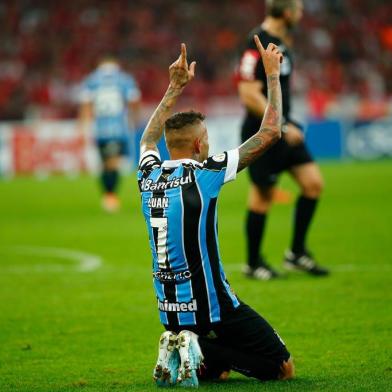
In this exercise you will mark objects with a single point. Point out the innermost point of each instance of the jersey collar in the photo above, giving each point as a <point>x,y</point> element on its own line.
<point>178,162</point>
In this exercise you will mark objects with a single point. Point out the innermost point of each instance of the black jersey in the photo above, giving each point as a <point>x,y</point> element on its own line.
<point>251,68</point>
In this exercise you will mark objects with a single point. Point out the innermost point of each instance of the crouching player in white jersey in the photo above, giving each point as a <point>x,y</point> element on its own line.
<point>210,331</point>
<point>110,97</point>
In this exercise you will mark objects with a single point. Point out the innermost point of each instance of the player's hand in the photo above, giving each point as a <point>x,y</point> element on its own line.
<point>272,58</point>
<point>293,135</point>
<point>180,73</point>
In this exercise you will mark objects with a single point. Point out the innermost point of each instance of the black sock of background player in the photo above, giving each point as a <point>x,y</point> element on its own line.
<point>304,212</point>
<point>255,224</point>
<point>109,180</point>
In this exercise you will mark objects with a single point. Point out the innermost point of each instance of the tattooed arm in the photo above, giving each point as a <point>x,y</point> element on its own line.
<point>180,76</point>
<point>270,129</point>
<point>154,129</point>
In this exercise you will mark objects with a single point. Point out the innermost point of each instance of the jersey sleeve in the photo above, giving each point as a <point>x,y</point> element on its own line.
<point>132,92</point>
<point>218,170</point>
<point>149,160</point>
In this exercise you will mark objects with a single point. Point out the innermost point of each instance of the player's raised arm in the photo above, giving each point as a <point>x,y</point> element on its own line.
<point>270,129</point>
<point>180,75</point>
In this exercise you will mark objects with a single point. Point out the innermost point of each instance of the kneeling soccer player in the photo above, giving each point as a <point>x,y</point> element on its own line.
<point>209,330</point>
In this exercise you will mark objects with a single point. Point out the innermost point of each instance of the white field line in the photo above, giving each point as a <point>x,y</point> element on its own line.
<point>334,268</point>
<point>234,268</point>
<point>85,262</point>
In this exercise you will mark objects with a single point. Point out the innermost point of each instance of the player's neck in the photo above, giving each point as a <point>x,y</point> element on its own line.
<point>175,155</point>
<point>276,27</point>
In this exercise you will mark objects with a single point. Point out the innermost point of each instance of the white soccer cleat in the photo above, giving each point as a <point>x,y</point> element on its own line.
<point>166,370</point>
<point>191,358</point>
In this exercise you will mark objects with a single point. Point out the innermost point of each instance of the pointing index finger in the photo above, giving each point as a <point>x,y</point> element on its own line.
<point>259,45</point>
<point>183,54</point>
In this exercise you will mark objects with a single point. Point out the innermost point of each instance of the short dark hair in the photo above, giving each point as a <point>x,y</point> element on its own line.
<point>276,8</point>
<point>182,119</point>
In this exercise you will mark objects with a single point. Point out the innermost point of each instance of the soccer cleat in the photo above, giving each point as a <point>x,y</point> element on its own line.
<point>191,358</point>
<point>303,262</point>
<point>110,202</point>
<point>262,272</point>
<point>166,370</point>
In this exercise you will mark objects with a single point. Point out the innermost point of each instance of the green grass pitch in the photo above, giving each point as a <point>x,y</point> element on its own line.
<point>65,329</point>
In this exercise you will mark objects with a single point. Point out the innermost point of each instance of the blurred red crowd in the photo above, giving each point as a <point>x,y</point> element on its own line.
<point>47,47</point>
<point>345,48</point>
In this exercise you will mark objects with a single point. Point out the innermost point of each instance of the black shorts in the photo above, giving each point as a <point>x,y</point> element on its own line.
<point>265,171</point>
<point>112,148</point>
<point>244,342</point>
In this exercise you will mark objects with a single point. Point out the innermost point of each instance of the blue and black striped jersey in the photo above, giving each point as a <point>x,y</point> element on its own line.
<point>109,90</point>
<point>179,201</point>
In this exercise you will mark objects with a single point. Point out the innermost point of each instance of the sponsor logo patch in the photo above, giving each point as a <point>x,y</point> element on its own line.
<point>219,158</point>
<point>150,185</point>
<point>169,276</point>
<point>166,306</point>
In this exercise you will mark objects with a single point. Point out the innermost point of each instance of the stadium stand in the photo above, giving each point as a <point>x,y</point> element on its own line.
<point>47,48</point>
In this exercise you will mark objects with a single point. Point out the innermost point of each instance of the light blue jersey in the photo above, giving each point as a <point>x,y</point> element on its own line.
<point>109,90</point>
<point>179,201</point>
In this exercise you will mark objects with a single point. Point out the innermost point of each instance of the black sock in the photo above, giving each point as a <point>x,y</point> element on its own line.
<point>255,224</point>
<point>304,212</point>
<point>109,179</point>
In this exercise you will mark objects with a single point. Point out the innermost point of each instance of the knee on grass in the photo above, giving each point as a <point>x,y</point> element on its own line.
<point>287,370</point>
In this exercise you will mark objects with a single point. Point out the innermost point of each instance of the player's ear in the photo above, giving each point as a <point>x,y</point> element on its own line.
<point>197,145</point>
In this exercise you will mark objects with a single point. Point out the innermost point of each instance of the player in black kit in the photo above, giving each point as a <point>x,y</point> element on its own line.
<point>290,153</point>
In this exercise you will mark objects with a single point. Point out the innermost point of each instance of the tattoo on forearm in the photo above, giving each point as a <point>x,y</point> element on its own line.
<point>154,128</point>
<point>269,132</point>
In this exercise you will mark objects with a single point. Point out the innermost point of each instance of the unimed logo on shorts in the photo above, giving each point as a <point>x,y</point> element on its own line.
<point>167,306</point>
